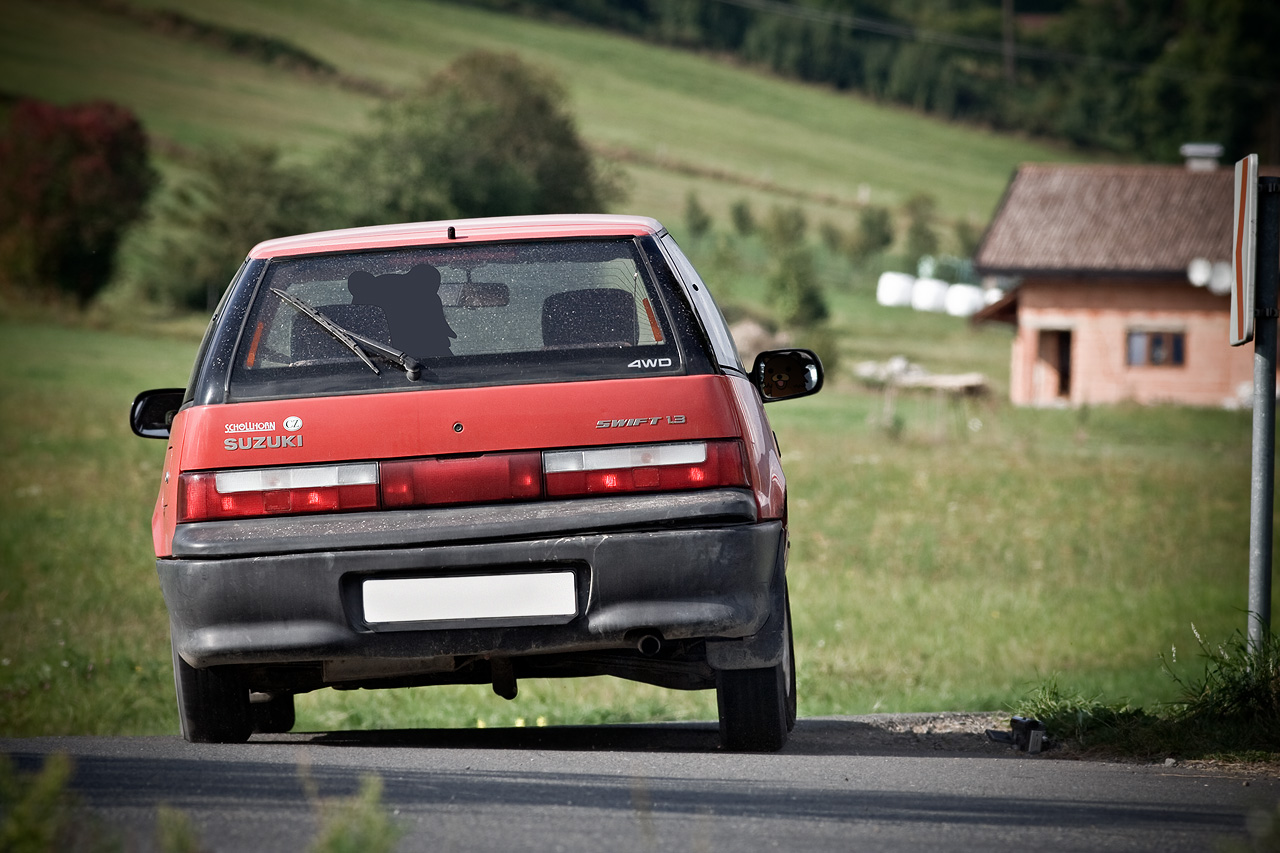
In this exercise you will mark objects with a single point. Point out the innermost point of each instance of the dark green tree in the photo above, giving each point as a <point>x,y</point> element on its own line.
<point>922,239</point>
<point>832,237</point>
<point>233,198</point>
<point>793,288</point>
<point>874,234</point>
<point>785,228</point>
<point>696,217</point>
<point>72,179</point>
<point>1221,77</point>
<point>968,235</point>
<point>744,220</point>
<point>489,135</point>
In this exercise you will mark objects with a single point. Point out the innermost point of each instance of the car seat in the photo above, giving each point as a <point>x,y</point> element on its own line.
<point>593,317</point>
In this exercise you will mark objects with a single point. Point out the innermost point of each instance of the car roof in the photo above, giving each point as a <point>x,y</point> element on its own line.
<point>463,230</point>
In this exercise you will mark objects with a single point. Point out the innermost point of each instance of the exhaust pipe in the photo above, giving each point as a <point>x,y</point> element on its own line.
<point>649,644</point>
<point>504,677</point>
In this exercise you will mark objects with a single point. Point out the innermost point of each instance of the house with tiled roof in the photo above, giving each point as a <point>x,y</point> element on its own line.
<point>1116,281</point>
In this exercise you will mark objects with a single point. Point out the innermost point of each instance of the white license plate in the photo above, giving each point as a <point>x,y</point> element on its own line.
<point>536,597</point>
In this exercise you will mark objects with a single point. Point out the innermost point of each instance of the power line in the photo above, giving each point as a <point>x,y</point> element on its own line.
<point>980,45</point>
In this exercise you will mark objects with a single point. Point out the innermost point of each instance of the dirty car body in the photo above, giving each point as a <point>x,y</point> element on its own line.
<point>473,452</point>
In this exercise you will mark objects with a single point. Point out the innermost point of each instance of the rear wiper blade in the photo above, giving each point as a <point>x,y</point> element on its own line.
<point>339,334</point>
<point>355,341</point>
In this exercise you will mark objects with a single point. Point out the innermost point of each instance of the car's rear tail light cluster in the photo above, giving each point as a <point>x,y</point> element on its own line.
<point>277,491</point>
<point>441,481</point>
<point>656,468</point>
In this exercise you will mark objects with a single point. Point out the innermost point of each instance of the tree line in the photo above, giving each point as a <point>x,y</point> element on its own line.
<point>1136,77</point>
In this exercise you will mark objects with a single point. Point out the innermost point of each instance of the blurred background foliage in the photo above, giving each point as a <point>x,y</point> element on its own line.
<point>1135,77</point>
<point>71,180</point>
<point>489,135</point>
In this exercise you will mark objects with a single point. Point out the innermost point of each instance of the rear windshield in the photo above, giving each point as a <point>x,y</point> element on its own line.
<point>470,315</point>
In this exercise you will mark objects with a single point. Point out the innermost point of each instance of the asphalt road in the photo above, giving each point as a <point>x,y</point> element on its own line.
<point>856,783</point>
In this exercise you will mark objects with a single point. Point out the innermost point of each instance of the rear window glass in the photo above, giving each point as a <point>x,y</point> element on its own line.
<point>471,315</point>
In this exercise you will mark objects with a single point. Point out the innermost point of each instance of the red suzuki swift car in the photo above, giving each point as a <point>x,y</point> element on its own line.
<point>473,452</point>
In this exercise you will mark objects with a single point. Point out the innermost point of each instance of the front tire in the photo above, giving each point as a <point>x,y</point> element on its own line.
<point>758,706</point>
<point>213,703</point>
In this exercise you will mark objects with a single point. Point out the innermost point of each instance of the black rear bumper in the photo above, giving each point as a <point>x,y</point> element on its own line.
<point>690,567</point>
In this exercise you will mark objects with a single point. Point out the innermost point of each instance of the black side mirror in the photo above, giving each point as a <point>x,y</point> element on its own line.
<point>783,373</point>
<point>153,411</point>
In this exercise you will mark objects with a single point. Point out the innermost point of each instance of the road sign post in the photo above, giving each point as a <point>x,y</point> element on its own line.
<point>1255,305</point>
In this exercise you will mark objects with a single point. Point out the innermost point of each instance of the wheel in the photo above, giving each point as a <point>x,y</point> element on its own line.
<point>758,706</point>
<point>213,703</point>
<point>274,714</point>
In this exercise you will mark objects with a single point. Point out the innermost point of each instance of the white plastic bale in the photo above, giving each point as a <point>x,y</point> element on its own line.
<point>993,295</point>
<point>1221,278</point>
<point>894,289</point>
<point>929,294</point>
<point>964,300</point>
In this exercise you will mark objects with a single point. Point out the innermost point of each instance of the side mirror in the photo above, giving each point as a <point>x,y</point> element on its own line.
<point>783,373</point>
<point>153,411</point>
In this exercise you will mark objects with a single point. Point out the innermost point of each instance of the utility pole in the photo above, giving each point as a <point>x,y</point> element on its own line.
<point>1262,494</point>
<point>1255,309</point>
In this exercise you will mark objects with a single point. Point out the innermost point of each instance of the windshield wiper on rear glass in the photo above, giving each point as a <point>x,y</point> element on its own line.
<point>355,341</point>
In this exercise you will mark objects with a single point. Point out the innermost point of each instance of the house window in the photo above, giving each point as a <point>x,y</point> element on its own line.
<point>1156,349</point>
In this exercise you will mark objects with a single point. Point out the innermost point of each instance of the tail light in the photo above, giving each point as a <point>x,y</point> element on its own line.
<point>489,478</point>
<point>441,481</point>
<point>644,468</point>
<point>277,491</point>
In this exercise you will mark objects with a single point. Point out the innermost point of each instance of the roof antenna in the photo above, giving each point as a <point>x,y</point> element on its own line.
<point>453,235</point>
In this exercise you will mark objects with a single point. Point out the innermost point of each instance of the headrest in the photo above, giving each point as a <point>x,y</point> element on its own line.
<point>594,317</point>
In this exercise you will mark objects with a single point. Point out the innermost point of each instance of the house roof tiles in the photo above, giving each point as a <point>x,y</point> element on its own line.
<point>1094,219</point>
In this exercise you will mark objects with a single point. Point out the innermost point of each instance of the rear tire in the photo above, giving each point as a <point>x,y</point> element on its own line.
<point>213,703</point>
<point>790,666</point>
<point>758,706</point>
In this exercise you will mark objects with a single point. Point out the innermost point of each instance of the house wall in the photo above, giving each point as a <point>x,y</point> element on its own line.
<point>1099,313</point>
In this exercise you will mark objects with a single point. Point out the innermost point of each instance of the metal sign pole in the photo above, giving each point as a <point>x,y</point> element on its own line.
<point>1262,496</point>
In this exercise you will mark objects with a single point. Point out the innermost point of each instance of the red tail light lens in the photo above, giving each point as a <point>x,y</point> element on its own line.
<point>478,479</point>
<point>645,468</point>
<point>277,491</point>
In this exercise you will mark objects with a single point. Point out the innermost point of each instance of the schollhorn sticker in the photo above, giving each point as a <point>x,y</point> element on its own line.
<point>291,424</point>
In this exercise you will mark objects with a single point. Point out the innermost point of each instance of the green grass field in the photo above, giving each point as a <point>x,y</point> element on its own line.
<point>956,566</point>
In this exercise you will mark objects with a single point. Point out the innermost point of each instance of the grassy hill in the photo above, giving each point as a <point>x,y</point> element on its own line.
<point>675,121</point>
